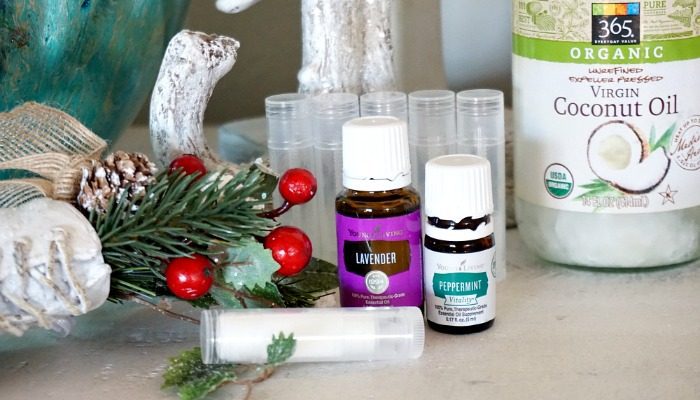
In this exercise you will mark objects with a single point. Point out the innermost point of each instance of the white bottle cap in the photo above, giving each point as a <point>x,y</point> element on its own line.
<point>458,186</point>
<point>321,334</point>
<point>375,154</point>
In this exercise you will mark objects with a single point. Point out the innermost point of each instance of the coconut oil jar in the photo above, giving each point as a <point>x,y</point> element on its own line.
<point>606,101</point>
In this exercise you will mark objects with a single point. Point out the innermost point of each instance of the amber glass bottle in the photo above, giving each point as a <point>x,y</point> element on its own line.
<point>377,204</point>
<point>459,253</point>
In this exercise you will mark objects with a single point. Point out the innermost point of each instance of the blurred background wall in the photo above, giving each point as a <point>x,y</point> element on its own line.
<point>460,44</point>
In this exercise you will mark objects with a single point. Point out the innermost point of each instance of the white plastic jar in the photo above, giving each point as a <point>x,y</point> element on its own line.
<point>606,99</point>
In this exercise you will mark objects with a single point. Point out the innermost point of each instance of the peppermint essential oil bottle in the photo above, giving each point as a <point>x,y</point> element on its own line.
<point>378,221</point>
<point>459,254</point>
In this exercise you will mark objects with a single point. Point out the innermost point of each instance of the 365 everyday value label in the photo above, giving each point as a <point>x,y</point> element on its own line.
<point>607,105</point>
<point>379,261</point>
<point>460,289</point>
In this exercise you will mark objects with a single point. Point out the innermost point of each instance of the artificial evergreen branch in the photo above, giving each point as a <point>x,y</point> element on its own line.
<point>296,297</point>
<point>179,215</point>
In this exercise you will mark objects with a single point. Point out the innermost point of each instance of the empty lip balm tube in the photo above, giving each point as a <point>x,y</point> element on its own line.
<point>431,130</point>
<point>481,131</point>
<point>321,334</point>
<point>328,114</point>
<point>290,145</point>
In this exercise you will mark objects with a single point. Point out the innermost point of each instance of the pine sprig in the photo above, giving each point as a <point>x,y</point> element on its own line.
<point>295,297</point>
<point>317,280</point>
<point>179,215</point>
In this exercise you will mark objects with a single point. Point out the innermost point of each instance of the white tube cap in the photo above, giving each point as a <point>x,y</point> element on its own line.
<point>375,154</point>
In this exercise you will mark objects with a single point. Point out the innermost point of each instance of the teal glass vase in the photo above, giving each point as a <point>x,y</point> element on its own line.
<point>94,59</point>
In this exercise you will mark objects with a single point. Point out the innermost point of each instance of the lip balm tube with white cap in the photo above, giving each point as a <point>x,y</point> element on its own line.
<point>321,334</point>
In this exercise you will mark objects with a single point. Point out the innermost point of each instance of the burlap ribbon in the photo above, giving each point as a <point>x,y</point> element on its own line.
<point>42,152</point>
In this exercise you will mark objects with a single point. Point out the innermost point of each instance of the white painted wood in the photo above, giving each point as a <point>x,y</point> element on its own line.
<point>346,46</point>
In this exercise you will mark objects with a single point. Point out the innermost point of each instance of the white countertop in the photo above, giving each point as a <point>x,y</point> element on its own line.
<point>560,333</point>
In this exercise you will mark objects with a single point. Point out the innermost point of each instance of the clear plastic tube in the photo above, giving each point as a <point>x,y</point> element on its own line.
<point>290,145</point>
<point>321,334</point>
<point>481,131</point>
<point>329,113</point>
<point>288,125</point>
<point>392,104</point>
<point>431,130</point>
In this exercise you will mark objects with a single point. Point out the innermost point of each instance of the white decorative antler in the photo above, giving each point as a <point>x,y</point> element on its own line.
<point>193,64</point>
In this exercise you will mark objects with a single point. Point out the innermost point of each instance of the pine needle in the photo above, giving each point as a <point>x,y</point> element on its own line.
<point>179,215</point>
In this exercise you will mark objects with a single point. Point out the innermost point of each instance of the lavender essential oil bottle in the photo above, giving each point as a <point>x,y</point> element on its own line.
<point>378,221</point>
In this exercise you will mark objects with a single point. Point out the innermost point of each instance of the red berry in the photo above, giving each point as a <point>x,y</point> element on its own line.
<point>189,163</point>
<point>297,185</point>
<point>290,247</point>
<point>189,278</point>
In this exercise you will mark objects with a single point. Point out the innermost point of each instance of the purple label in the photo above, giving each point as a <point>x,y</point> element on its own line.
<point>379,261</point>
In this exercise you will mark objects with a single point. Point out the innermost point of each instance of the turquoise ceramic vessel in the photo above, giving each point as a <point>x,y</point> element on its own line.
<point>95,59</point>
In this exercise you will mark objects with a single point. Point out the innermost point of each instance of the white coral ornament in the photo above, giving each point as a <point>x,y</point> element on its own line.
<point>51,266</point>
